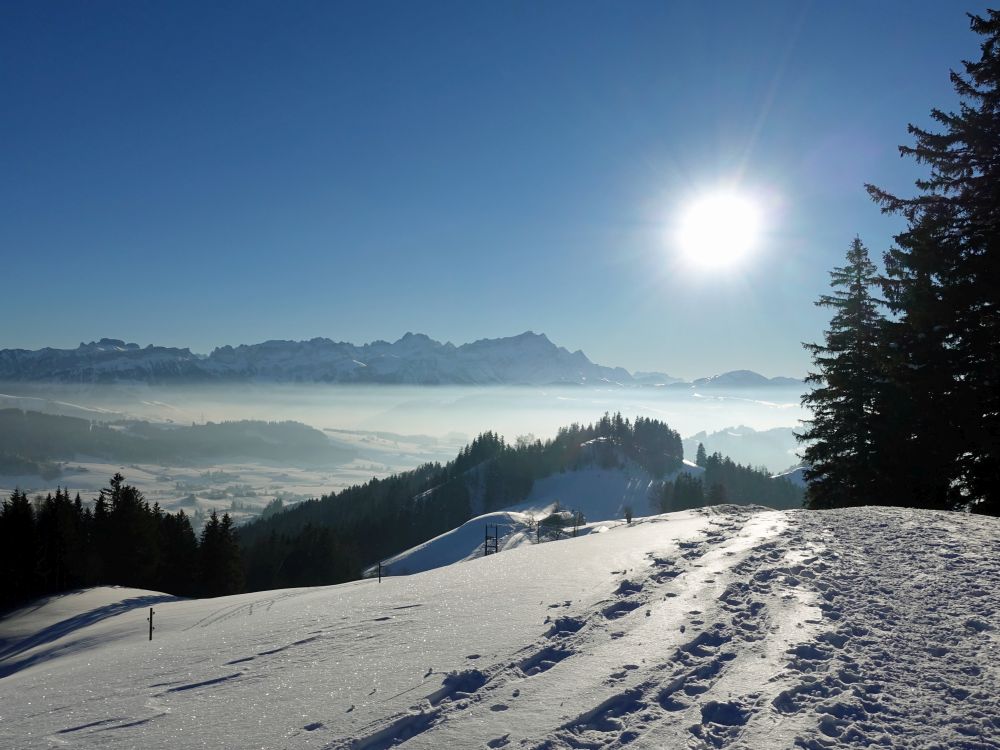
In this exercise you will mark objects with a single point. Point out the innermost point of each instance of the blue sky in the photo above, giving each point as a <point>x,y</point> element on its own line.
<point>197,174</point>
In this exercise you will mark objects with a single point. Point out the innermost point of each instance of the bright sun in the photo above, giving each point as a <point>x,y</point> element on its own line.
<point>719,229</point>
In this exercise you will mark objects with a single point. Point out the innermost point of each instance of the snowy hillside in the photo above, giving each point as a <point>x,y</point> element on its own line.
<point>736,628</point>
<point>466,542</point>
<point>600,494</point>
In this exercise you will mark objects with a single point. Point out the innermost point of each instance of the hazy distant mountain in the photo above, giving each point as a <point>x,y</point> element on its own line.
<point>654,378</point>
<point>743,379</point>
<point>529,359</point>
<point>416,359</point>
<point>107,360</point>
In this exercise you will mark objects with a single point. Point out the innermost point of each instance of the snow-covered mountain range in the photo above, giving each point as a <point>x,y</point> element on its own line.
<point>526,359</point>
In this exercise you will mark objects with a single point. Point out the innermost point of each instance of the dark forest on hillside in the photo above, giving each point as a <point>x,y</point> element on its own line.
<point>35,441</point>
<point>54,543</point>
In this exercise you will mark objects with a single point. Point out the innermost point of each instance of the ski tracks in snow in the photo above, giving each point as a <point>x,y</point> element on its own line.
<point>800,629</point>
<point>768,631</point>
<point>907,658</point>
<point>653,662</point>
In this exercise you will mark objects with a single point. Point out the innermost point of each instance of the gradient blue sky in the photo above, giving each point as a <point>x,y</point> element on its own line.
<point>197,174</point>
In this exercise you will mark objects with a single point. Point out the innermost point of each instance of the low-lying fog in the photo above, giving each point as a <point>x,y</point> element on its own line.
<point>439,411</point>
<point>373,431</point>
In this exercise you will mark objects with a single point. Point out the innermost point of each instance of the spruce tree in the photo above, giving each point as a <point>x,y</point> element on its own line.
<point>943,285</point>
<point>716,495</point>
<point>18,549</point>
<point>842,437</point>
<point>221,569</point>
<point>701,458</point>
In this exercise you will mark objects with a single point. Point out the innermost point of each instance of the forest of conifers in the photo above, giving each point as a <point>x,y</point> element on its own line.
<point>56,543</point>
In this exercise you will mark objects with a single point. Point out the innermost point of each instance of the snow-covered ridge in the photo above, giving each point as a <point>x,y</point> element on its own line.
<point>723,628</point>
<point>525,359</point>
<point>529,359</point>
<point>743,379</point>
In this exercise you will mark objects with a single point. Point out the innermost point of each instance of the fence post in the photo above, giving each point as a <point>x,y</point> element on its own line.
<point>150,618</point>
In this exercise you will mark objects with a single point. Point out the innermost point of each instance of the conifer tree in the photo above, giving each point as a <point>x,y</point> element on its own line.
<point>17,549</point>
<point>687,493</point>
<point>943,285</point>
<point>221,569</point>
<point>178,562</point>
<point>701,457</point>
<point>841,439</point>
<point>127,539</point>
<point>716,494</point>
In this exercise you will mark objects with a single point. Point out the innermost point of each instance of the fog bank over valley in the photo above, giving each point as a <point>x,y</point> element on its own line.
<point>169,440</point>
<point>440,411</point>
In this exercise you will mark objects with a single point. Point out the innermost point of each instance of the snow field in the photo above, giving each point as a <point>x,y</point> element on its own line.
<point>723,628</point>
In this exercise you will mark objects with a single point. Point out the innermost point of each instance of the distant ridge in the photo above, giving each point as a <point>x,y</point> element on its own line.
<point>415,359</point>
<point>742,379</point>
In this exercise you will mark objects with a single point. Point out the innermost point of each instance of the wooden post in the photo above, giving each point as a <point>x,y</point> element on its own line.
<point>150,618</point>
<point>380,571</point>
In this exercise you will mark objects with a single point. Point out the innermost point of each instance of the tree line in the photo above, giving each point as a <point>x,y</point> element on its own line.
<point>34,442</point>
<point>393,514</point>
<point>53,544</point>
<point>726,481</point>
<point>906,382</point>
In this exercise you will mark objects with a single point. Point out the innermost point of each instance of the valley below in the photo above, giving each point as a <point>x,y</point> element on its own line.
<point>370,431</point>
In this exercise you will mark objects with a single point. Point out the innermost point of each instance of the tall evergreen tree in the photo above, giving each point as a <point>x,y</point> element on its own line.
<point>61,553</point>
<point>221,568</point>
<point>18,549</point>
<point>126,530</point>
<point>178,561</point>
<point>842,437</point>
<point>943,284</point>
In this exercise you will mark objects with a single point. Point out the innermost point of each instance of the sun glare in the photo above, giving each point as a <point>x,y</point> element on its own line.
<point>719,230</point>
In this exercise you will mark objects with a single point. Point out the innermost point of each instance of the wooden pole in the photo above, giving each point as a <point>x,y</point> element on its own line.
<point>380,571</point>
<point>150,618</point>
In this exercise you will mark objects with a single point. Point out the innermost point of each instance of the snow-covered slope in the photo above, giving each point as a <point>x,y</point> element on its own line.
<point>796,476</point>
<point>735,628</point>
<point>600,494</point>
<point>467,542</point>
